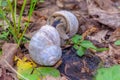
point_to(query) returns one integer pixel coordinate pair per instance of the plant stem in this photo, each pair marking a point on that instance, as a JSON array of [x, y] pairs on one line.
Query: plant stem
[[13, 15], [10, 26], [21, 13], [32, 6], [15, 5]]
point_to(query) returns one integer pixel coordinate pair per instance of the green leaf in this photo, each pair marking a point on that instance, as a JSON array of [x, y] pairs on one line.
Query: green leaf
[[4, 3], [24, 40], [87, 44], [101, 49], [28, 70], [1, 16], [76, 47], [117, 43], [81, 51], [4, 35], [31, 74], [76, 38], [48, 71], [111, 73]]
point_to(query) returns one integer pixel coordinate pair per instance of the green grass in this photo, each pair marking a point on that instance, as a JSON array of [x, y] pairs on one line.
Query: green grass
[[14, 28], [4, 35]]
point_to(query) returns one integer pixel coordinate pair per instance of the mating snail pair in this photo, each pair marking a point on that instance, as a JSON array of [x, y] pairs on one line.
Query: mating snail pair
[[44, 47]]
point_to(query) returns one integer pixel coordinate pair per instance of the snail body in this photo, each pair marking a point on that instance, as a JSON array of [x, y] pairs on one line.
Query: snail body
[[44, 46]]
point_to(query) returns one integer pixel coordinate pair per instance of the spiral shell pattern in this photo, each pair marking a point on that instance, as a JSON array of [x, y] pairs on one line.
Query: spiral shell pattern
[[44, 46], [65, 20]]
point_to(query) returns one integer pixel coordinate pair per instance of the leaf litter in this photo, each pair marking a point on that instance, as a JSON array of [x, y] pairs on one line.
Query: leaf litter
[[104, 15]]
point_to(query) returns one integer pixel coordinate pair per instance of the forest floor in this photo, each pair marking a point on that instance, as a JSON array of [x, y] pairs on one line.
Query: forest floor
[[99, 22]]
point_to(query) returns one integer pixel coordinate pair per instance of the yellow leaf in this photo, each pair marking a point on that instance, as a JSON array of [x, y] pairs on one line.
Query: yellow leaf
[[24, 65], [27, 68]]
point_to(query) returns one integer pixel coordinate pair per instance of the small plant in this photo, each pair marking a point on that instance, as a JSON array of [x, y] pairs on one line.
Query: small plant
[[117, 43], [111, 73], [3, 5], [14, 25], [82, 45], [28, 70], [4, 35]]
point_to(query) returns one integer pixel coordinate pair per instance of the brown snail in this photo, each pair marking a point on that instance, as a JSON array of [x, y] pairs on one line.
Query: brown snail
[[44, 46]]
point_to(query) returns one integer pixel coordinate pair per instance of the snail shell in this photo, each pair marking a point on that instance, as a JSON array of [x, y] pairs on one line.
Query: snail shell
[[65, 22], [44, 47]]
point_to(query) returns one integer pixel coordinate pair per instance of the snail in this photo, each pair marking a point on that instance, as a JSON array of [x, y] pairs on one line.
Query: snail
[[65, 22], [44, 47]]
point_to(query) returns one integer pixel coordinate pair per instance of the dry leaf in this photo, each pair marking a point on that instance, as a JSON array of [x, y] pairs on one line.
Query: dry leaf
[[110, 18], [110, 57], [0, 72], [89, 31], [99, 36], [5, 75], [9, 50], [106, 5], [26, 19], [68, 4], [6, 61], [115, 35]]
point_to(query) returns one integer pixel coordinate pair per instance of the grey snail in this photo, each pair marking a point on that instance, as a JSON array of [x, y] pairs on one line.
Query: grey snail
[[65, 22], [44, 47]]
